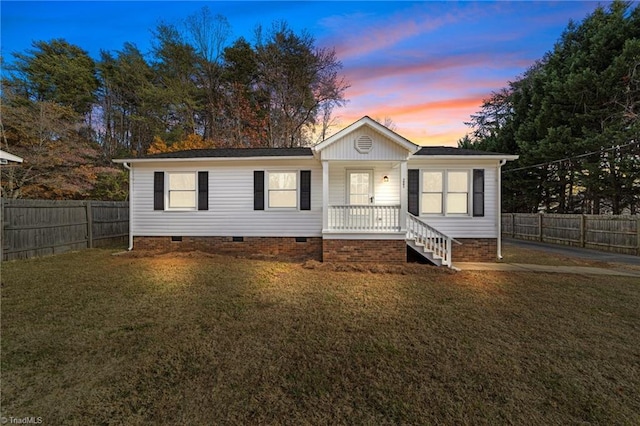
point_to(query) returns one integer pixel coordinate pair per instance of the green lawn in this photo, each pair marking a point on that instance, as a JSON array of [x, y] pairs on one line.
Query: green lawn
[[91, 338]]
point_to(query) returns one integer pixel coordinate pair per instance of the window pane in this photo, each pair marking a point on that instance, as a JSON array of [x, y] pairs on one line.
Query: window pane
[[458, 181], [457, 203], [182, 199], [359, 182], [182, 181], [431, 203], [432, 182], [358, 199], [282, 180], [282, 198]]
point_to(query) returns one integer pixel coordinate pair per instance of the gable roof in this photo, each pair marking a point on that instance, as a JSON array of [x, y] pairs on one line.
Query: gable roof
[[368, 121], [226, 153]]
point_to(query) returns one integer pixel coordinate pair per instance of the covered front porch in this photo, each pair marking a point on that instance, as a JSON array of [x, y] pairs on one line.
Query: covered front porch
[[364, 197]]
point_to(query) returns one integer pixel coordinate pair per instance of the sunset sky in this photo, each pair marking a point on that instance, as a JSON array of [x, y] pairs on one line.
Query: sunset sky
[[425, 65]]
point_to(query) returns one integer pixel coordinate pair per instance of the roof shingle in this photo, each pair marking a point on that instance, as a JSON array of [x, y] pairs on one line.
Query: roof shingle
[[450, 150], [236, 153]]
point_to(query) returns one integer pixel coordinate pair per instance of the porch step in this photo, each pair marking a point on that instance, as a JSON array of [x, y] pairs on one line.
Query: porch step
[[425, 253]]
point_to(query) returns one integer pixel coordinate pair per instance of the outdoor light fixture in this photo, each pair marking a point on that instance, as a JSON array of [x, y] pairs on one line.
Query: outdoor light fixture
[[386, 178]]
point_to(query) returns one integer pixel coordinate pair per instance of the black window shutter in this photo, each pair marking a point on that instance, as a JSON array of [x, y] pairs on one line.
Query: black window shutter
[[158, 190], [414, 191], [258, 190], [478, 192], [203, 190], [305, 190]]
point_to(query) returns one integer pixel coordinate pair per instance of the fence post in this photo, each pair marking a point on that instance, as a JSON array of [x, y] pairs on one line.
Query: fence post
[[583, 230], [513, 225], [89, 225], [1, 227], [540, 227], [638, 234]]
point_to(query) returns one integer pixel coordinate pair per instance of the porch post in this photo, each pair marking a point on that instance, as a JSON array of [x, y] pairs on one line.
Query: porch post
[[404, 204], [325, 196]]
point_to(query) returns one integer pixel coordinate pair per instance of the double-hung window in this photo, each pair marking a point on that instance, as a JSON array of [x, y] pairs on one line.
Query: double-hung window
[[432, 192], [181, 190], [282, 189], [458, 192], [445, 192]]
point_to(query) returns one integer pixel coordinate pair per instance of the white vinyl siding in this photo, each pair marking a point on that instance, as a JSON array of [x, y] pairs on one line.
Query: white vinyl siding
[[382, 148], [181, 190], [464, 225], [230, 199], [384, 193]]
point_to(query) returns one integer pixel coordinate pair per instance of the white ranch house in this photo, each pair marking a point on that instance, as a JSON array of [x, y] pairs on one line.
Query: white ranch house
[[364, 194]]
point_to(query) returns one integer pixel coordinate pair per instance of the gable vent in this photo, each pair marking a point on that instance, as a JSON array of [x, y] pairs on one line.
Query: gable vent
[[364, 144]]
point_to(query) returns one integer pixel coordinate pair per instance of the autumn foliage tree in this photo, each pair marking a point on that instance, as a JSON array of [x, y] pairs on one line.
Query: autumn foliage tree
[[190, 142], [68, 115], [45, 113], [59, 162]]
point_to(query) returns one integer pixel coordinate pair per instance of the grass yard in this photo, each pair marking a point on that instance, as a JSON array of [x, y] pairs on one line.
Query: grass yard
[[91, 338]]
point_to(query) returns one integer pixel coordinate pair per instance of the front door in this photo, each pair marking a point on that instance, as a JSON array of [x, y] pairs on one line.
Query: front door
[[360, 198], [360, 188]]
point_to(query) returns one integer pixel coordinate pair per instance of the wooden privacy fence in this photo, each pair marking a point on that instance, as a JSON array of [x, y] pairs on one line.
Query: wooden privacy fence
[[32, 228], [619, 234]]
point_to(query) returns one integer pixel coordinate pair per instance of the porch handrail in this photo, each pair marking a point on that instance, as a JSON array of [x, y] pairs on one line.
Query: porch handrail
[[433, 240], [364, 218]]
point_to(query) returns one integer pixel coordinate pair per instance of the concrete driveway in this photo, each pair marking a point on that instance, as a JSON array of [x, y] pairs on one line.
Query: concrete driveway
[[564, 251], [582, 253]]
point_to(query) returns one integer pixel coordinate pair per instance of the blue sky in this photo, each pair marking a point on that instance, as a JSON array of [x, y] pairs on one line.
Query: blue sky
[[425, 65]]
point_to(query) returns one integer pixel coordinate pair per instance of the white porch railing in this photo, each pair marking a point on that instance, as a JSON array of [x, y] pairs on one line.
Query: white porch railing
[[430, 239], [370, 218]]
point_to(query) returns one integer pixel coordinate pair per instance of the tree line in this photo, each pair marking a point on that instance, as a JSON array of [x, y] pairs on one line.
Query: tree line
[[68, 114], [573, 118]]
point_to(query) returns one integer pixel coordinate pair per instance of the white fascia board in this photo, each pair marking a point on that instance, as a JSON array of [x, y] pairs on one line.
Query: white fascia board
[[208, 159]]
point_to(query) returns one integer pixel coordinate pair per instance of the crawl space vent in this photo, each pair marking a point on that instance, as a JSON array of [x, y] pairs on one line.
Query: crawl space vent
[[364, 144]]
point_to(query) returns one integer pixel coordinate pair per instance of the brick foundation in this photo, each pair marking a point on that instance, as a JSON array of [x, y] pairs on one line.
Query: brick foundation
[[379, 251], [285, 248], [475, 250]]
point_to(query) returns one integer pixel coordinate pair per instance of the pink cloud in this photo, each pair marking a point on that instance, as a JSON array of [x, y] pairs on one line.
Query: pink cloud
[[439, 122], [366, 34]]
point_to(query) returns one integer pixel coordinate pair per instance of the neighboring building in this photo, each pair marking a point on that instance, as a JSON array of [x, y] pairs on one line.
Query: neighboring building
[[5, 157], [361, 195]]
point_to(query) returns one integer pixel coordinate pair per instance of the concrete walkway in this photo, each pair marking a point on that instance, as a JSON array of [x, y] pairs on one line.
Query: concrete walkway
[[576, 252], [522, 267]]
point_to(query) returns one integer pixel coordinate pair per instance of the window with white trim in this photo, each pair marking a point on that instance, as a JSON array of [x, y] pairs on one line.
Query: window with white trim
[[282, 189], [445, 192], [432, 192], [181, 190]]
